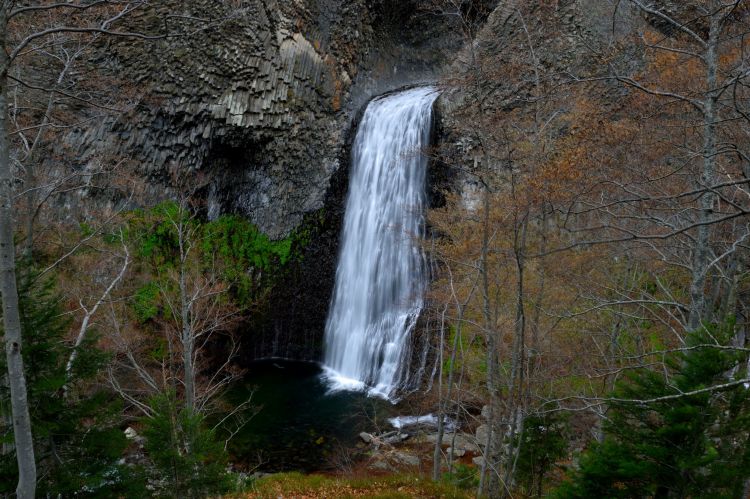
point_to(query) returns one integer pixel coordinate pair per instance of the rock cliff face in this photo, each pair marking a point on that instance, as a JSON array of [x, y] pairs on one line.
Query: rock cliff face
[[260, 102], [520, 46], [258, 106], [254, 110]]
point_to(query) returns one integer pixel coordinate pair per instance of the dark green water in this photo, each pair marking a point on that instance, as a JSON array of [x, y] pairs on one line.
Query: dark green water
[[299, 424]]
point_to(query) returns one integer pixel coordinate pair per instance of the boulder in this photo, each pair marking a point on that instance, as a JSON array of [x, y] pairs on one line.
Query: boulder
[[366, 437], [379, 464], [432, 438], [406, 458], [463, 441], [131, 434], [466, 444], [482, 433], [486, 412], [395, 439], [456, 452]]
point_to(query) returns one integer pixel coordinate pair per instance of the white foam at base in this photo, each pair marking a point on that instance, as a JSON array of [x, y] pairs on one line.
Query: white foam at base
[[337, 382], [400, 422]]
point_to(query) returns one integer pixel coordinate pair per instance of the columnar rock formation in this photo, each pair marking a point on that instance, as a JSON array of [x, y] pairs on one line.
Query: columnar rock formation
[[260, 98]]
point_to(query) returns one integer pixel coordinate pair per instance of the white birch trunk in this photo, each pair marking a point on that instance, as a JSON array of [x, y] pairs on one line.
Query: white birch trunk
[[24, 443]]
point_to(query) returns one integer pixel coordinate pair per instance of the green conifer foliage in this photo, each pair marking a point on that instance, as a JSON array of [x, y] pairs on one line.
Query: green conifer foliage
[[543, 442], [683, 446], [188, 459], [75, 422]]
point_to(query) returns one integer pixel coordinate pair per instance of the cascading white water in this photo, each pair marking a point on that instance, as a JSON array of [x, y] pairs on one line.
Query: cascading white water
[[381, 276]]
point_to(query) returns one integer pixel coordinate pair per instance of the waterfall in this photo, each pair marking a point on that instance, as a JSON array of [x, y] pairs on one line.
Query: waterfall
[[380, 277]]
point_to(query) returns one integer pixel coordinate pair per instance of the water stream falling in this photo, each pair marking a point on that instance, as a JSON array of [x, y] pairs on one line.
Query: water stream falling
[[380, 278]]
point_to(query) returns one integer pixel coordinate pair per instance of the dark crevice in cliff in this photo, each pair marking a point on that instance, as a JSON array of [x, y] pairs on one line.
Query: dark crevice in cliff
[[293, 320]]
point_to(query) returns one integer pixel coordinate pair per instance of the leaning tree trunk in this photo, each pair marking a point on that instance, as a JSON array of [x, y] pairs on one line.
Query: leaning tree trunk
[[9, 290]]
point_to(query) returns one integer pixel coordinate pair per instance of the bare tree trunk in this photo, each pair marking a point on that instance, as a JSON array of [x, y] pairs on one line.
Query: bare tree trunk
[[488, 483], [515, 388], [452, 368], [536, 321], [444, 409], [29, 183], [187, 348], [702, 249], [188, 339], [89, 314], [30, 202], [437, 452], [11, 317]]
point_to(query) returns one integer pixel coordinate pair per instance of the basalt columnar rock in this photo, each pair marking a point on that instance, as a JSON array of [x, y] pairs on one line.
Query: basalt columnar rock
[[256, 101], [249, 105], [259, 96]]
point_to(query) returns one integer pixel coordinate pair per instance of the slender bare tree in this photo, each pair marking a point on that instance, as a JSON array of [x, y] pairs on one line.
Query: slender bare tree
[[26, 28]]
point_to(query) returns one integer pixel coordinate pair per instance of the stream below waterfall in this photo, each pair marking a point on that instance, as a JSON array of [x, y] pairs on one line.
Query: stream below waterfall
[[300, 424]]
